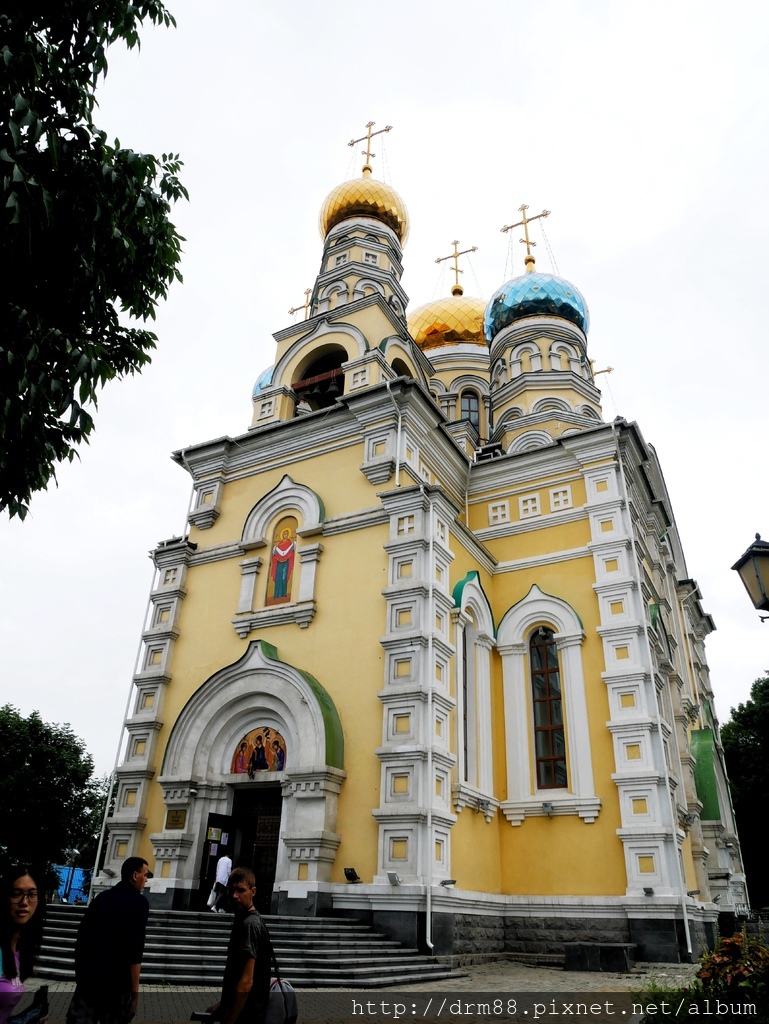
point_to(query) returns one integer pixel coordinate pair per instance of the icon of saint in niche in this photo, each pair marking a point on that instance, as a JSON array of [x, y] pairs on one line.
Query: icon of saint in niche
[[282, 562], [261, 750], [278, 756], [240, 764], [258, 762]]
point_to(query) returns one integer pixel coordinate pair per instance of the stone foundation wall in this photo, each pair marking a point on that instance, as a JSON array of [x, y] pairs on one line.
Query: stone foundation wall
[[478, 934], [548, 934]]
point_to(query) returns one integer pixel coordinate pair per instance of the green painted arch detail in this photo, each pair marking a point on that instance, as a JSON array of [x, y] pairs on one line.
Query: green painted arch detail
[[331, 721], [459, 589]]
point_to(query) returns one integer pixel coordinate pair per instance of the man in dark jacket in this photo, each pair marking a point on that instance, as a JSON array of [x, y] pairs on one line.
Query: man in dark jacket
[[246, 985], [109, 949]]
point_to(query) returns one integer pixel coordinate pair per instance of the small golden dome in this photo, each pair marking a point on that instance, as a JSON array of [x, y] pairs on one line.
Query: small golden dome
[[365, 197], [448, 321]]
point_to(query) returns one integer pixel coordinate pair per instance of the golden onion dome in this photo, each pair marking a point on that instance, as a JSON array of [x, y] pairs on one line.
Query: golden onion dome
[[365, 197], [448, 321]]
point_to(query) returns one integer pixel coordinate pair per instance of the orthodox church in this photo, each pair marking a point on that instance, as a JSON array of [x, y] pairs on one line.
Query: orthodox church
[[429, 654]]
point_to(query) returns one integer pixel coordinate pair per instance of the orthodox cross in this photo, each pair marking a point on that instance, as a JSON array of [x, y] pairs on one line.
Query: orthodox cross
[[525, 225], [457, 289], [368, 137], [305, 307]]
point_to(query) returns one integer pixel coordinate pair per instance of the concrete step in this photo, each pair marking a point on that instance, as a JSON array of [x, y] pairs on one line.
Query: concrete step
[[189, 947]]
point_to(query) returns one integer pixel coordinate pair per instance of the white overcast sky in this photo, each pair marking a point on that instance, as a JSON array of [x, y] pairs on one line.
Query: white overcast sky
[[642, 127]]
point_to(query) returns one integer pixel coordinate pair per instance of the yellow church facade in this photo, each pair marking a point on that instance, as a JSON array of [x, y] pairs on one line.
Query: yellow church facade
[[429, 654]]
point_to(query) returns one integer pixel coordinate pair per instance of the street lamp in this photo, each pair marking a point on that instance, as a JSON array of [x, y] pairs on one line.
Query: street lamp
[[753, 568]]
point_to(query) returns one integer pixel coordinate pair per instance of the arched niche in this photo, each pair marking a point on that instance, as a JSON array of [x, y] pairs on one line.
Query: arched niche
[[564, 356], [525, 357], [551, 404], [286, 496], [474, 640], [287, 499], [530, 440]]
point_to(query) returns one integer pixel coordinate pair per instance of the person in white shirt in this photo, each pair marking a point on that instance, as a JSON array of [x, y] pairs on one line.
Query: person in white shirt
[[223, 869]]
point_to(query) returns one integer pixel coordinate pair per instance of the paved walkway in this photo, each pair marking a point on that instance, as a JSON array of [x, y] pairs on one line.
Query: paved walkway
[[502, 982]]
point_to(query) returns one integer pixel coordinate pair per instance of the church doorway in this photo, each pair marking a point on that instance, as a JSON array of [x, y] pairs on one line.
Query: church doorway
[[256, 833]]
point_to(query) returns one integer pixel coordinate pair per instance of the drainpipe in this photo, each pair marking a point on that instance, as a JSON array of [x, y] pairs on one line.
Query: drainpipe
[[398, 435], [186, 528], [431, 726], [647, 642], [126, 715]]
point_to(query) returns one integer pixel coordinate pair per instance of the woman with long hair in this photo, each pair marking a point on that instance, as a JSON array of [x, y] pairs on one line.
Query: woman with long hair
[[22, 912]]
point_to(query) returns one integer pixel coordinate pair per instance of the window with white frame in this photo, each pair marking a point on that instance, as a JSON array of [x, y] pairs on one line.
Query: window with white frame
[[470, 407], [547, 703], [474, 733], [499, 512], [560, 497], [528, 505], [371, 258], [340, 260], [540, 641]]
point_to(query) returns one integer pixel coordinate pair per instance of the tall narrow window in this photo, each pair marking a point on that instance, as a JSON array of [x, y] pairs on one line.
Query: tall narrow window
[[549, 743], [470, 407], [465, 700]]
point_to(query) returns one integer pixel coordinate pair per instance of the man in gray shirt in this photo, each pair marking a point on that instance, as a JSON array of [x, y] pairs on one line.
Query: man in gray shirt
[[246, 984]]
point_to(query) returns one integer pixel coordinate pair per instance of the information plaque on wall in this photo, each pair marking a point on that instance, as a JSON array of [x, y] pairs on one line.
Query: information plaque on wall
[[176, 817]]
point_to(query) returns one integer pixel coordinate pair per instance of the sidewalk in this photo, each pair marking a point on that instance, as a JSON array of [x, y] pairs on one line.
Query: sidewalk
[[499, 979]]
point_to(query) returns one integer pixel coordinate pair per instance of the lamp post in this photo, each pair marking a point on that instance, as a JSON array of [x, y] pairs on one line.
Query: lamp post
[[753, 568]]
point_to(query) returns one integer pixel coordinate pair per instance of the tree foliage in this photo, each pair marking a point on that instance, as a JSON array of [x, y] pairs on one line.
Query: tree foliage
[[745, 739], [47, 795], [84, 233]]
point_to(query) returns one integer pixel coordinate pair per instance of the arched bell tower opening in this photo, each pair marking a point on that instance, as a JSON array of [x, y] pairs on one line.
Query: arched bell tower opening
[[322, 379]]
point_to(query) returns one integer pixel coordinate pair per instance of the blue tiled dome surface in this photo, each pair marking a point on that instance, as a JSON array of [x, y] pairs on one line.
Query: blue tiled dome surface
[[535, 295], [263, 380]]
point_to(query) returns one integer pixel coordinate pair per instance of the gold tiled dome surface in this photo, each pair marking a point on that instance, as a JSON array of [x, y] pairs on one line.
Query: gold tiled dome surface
[[365, 197], [448, 320]]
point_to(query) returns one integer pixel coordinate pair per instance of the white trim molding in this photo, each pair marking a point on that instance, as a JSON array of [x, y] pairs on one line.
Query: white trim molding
[[524, 799]]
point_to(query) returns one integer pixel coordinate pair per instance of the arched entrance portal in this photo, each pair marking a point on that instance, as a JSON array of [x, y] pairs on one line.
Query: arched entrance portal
[[255, 758]]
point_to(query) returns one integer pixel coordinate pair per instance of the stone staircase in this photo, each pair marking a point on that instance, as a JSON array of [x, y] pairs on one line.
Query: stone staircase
[[188, 948]]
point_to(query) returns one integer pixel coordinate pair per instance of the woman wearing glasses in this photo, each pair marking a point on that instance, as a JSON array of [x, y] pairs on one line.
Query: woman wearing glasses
[[21, 923]]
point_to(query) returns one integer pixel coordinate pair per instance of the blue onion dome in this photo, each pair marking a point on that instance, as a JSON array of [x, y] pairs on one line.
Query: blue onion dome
[[535, 295], [263, 381]]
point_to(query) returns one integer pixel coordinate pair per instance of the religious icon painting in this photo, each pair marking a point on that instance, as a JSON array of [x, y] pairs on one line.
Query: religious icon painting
[[261, 750], [282, 555]]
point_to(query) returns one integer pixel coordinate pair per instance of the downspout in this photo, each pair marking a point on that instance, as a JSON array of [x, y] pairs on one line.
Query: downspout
[[431, 726], [398, 435], [673, 814], [120, 741]]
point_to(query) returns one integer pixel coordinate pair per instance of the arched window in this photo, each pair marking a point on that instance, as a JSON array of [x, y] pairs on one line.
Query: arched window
[[470, 407], [543, 679], [465, 713], [549, 742], [474, 734]]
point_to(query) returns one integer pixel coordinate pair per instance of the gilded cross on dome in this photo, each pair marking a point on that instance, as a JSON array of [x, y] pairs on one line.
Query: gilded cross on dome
[[457, 289], [368, 137], [529, 259], [305, 307]]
